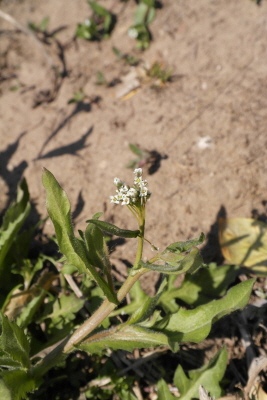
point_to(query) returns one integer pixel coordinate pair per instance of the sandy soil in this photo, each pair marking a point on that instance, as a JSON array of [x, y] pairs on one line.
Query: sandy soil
[[217, 52]]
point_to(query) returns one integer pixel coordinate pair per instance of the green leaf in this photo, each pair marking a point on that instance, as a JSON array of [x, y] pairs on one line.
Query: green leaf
[[138, 298], [29, 310], [58, 207], [211, 282], [114, 230], [13, 221], [180, 247], [96, 246], [150, 15], [128, 338], [16, 384], [140, 14], [189, 263], [147, 306], [44, 24], [7, 362], [64, 310], [194, 325], [14, 342], [136, 150], [164, 392], [98, 9], [208, 376], [5, 393], [126, 395]]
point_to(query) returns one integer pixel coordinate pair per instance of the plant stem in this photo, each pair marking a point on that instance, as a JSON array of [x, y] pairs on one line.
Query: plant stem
[[68, 344]]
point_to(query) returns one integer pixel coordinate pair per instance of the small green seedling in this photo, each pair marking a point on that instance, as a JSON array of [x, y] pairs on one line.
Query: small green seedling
[[127, 58], [77, 96], [100, 78], [143, 16], [99, 26], [145, 158], [42, 27], [158, 72]]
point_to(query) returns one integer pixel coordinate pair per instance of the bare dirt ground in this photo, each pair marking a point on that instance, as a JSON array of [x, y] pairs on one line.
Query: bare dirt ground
[[217, 51]]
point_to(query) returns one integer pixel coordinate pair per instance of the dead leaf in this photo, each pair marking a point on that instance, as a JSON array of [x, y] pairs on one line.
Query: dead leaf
[[244, 242], [20, 298]]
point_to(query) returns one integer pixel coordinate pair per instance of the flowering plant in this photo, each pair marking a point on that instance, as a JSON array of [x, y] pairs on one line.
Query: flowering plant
[[151, 321]]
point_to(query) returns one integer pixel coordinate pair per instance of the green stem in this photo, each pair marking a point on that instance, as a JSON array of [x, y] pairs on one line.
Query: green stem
[[68, 344]]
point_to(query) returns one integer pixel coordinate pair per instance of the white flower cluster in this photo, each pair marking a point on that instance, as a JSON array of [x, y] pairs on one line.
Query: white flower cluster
[[126, 195]]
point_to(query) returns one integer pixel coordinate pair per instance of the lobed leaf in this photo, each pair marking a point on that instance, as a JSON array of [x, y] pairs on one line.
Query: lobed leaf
[[15, 384]]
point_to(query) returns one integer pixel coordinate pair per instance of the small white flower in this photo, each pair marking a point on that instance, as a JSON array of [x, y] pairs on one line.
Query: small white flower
[[133, 33], [124, 189], [138, 180], [138, 171], [125, 200], [132, 192], [120, 196], [113, 199], [117, 182], [143, 191]]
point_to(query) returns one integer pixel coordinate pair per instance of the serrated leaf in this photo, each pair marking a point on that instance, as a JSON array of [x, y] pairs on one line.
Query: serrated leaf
[[14, 342], [9, 363], [208, 376], [164, 392], [128, 338], [114, 230], [180, 247], [194, 325], [189, 263], [18, 383]]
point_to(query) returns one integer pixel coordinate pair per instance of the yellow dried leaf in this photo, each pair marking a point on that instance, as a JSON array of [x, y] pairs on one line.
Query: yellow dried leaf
[[243, 241]]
